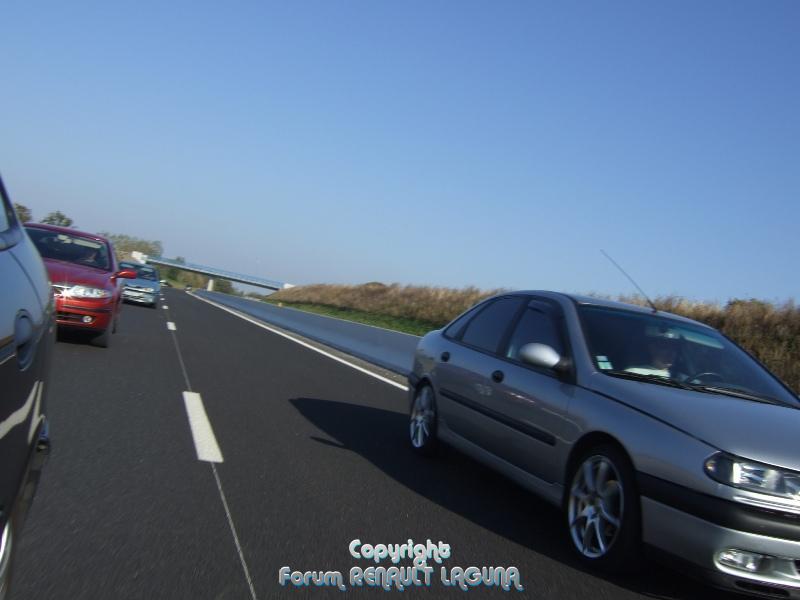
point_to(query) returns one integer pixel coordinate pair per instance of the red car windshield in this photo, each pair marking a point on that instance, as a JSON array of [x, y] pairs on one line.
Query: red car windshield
[[70, 248]]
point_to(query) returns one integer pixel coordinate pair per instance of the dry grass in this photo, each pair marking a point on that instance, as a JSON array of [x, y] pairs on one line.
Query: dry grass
[[768, 331], [433, 305]]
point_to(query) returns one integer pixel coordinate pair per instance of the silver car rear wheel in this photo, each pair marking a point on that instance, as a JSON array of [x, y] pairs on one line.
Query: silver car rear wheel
[[422, 426], [596, 506]]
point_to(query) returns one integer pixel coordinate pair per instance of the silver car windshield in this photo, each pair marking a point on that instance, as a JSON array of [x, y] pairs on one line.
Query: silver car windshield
[[148, 273], [649, 347]]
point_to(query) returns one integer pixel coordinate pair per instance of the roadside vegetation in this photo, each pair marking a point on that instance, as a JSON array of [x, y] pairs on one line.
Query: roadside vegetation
[[769, 331], [402, 324], [434, 306]]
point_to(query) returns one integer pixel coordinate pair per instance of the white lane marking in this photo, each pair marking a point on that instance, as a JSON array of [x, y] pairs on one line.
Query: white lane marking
[[171, 326], [174, 337], [19, 416], [214, 469], [37, 416], [233, 531], [164, 306], [302, 343], [204, 441]]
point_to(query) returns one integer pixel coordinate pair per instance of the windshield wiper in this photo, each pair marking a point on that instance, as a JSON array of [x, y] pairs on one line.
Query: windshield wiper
[[649, 379], [726, 391]]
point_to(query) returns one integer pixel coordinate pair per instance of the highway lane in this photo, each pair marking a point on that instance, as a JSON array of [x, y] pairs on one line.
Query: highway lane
[[124, 509], [314, 456]]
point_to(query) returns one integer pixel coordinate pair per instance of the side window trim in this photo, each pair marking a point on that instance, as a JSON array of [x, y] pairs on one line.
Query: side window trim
[[11, 235], [506, 337]]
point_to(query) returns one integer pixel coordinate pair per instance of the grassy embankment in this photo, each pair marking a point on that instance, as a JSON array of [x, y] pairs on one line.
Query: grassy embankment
[[769, 331], [411, 309]]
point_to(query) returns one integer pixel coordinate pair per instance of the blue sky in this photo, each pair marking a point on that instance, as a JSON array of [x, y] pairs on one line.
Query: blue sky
[[497, 144]]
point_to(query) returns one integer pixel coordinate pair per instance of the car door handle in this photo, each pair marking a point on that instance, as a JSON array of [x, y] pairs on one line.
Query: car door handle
[[498, 376], [445, 356]]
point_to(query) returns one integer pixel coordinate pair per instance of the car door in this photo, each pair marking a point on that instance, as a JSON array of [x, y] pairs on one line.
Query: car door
[[534, 402], [25, 336], [466, 394]]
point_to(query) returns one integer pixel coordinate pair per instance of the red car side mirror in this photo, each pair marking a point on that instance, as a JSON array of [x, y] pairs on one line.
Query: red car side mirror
[[126, 274]]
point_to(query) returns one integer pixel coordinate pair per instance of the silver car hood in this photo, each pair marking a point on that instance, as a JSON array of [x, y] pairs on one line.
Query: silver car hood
[[762, 432]]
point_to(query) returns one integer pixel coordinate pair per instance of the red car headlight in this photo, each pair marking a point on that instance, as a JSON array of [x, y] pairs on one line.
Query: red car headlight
[[80, 291]]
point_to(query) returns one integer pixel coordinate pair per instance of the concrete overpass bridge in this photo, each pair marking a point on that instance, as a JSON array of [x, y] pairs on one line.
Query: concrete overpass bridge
[[212, 272]]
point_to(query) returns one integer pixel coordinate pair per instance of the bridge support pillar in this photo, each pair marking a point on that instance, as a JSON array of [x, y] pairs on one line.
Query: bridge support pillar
[[210, 286]]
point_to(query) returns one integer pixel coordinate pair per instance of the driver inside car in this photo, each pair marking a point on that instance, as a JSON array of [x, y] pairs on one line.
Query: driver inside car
[[89, 256], [663, 353]]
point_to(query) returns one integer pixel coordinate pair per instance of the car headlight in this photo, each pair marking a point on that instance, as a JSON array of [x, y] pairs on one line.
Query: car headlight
[[754, 476], [148, 290], [80, 291]]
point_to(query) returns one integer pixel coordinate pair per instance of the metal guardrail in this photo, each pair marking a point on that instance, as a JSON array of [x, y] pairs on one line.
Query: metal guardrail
[[391, 350], [219, 273]]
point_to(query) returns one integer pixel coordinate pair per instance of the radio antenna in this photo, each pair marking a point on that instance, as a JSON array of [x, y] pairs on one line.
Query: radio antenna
[[621, 270]]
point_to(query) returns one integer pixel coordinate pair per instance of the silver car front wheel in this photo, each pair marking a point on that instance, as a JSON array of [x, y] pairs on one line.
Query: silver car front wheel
[[602, 506], [422, 426], [596, 506]]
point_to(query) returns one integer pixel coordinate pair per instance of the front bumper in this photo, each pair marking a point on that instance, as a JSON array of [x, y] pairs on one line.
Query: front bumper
[[139, 297], [699, 541], [84, 314]]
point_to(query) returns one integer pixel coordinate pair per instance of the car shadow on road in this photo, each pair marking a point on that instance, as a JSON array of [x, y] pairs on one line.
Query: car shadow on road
[[77, 337], [465, 487]]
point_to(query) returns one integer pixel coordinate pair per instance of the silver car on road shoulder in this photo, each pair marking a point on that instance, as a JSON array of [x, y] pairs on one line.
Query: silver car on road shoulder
[[643, 426]]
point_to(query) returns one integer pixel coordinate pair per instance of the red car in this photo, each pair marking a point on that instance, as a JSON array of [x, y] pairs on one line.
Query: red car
[[85, 277]]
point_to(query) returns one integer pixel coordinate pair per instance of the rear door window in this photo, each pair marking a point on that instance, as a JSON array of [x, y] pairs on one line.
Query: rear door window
[[456, 327]]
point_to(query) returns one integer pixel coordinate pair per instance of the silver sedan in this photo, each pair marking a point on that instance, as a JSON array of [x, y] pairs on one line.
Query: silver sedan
[[643, 426]]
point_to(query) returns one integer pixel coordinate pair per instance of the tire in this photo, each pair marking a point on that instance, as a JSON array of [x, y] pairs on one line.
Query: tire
[[423, 422], [8, 561], [103, 340], [603, 523]]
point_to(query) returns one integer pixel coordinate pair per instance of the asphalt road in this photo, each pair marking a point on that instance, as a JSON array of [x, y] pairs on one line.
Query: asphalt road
[[314, 455]]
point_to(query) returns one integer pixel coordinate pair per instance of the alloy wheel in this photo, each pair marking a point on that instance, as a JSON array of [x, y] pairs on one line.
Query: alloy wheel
[[596, 506], [423, 415]]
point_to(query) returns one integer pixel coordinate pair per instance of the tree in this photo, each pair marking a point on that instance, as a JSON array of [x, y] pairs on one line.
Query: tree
[[224, 286], [58, 218], [23, 212], [125, 244], [173, 272]]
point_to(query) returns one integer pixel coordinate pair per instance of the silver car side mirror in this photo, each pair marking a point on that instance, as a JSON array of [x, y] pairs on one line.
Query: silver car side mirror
[[539, 355]]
